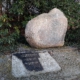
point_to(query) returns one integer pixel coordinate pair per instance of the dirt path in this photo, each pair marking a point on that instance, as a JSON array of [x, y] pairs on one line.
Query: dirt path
[[67, 57]]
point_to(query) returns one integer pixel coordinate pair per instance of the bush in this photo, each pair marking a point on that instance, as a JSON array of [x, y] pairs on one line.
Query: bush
[[29, 9], [21, 11], [73, 35], [8, 34]]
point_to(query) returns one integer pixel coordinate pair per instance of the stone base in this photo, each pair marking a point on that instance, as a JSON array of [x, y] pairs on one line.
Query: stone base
[[48, 63]]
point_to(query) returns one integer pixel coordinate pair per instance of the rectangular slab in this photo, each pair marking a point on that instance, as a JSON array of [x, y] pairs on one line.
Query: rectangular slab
[[24, 65]]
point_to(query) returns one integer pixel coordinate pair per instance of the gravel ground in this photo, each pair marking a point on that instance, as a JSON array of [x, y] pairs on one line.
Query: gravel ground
[[67, 57]]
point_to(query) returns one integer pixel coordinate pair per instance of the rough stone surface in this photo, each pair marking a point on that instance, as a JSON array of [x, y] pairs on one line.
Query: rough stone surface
[[48, 63], [68, 58], [47, 29]]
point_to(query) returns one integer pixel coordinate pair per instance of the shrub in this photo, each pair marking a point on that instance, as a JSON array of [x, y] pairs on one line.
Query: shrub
[[73, 35], [21, 11], [8, 34], [30, 7]]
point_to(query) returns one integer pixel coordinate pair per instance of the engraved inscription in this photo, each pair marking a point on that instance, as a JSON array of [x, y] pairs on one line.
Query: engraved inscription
[[30, 60]]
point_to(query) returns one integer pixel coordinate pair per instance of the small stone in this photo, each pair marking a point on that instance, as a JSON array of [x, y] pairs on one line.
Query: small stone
[[2, 78], [1, 60]]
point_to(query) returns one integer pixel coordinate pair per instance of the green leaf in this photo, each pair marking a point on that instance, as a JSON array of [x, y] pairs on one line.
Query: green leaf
[[8, 24], [1, 24]]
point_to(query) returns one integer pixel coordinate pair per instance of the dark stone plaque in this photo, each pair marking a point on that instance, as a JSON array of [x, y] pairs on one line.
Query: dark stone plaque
[[30, 60]]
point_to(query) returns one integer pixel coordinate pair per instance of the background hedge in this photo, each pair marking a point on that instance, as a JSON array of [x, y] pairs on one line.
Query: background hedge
[[18, 13]]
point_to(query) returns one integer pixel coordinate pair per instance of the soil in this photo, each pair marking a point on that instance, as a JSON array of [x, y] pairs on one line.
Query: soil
[[67, 57]]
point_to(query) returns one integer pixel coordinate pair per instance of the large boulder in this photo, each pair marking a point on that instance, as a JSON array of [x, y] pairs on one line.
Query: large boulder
[[47, 30]]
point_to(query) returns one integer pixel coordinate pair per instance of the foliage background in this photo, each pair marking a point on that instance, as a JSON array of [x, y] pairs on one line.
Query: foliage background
[[18, 13]]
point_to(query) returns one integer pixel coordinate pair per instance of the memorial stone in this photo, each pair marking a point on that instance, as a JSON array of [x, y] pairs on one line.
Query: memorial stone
[[33, 63]]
